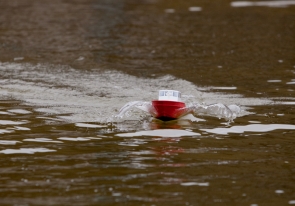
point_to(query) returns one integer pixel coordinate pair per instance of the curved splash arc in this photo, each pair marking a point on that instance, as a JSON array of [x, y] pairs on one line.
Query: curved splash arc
[[218, 110], [142, 105]]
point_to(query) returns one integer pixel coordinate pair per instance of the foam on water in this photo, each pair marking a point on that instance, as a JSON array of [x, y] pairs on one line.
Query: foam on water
[[95, 96]]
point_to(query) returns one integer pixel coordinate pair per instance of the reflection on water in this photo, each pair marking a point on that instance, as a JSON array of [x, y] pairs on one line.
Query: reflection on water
[[67, 67]]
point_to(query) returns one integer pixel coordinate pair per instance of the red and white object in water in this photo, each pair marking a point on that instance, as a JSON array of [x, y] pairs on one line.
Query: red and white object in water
[[169, 105]]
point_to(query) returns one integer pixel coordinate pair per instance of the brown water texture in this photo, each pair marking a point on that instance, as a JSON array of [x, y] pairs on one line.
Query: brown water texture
[[216, 46]]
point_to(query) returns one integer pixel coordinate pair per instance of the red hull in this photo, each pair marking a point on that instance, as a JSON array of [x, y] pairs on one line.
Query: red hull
[[168, 110]]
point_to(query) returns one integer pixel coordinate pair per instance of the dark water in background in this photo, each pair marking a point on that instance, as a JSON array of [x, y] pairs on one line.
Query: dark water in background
[[67, 67]]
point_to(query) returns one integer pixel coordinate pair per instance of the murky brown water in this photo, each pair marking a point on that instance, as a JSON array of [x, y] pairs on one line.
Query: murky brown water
[[67, 67]]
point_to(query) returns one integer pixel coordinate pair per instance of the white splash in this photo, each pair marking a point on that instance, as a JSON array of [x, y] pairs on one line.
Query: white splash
[[126, 110], [216, 110]]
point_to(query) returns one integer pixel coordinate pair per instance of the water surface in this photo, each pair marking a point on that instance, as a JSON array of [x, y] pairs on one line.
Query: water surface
[[67, 67]]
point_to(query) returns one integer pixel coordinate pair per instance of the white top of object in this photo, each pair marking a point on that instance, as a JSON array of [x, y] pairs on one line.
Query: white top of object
[[169, 95]]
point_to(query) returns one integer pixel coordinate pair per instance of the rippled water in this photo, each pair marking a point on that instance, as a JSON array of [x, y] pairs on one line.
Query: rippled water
[[68, 67]]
